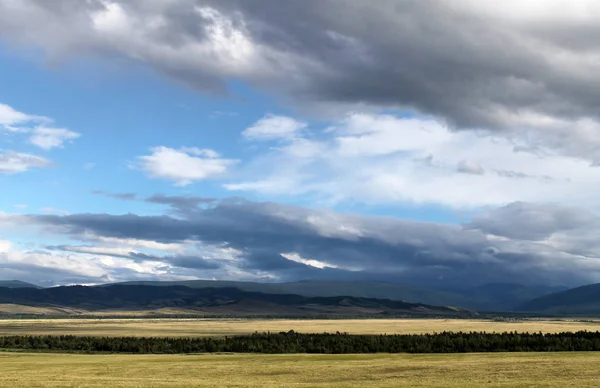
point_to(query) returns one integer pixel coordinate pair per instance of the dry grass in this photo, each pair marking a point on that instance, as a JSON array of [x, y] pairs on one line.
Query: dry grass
[[7, 308], [221, 327], [381, 370]]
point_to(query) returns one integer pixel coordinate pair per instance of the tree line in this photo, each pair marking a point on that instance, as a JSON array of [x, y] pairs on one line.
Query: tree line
[[291, 342]]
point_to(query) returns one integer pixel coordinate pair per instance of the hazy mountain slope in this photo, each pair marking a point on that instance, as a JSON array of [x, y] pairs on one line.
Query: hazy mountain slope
[[211, 300], [505, 296], [580, 300], [16, 284], [375, 290]]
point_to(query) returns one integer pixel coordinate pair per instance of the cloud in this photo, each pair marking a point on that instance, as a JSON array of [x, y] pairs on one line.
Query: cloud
[[472, 64], [52, 210], [12, 162], [180, 204], [11, 119], [184, 166], [48, 138], [182, 261], [470, 167], [250, 240], [36, 127], [122, 196], [385, 158], [273, 128], [531, 221]]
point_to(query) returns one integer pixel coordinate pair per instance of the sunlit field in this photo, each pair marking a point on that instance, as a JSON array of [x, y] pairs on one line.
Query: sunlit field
[[222, 327], [381, 370]]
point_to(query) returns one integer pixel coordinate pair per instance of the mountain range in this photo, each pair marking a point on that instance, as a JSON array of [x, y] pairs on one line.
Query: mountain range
[[488, 297], [494, 297], [222, 301]]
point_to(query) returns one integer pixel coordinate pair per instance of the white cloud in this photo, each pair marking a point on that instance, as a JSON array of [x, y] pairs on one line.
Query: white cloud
[[5, 246], [470, 167], [274, 127], [12, 162], [51, 210], [11, 119], [387, 159], [48, 138], [310, 262], [184, 166], [36, 127]]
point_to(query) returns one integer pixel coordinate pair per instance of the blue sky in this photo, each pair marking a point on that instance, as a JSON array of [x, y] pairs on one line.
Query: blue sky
[[121, 112], [203, 139]]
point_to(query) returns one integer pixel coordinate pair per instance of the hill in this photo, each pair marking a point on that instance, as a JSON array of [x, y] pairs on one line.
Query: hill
[[580, 300], [16, 284], [229, 301]]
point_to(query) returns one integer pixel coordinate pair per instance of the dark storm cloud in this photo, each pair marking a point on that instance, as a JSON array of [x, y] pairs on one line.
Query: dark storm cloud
[[530, 221], [353, 247]]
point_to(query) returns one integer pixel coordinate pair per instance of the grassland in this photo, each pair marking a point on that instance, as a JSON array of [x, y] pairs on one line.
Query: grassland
[[222, 327], [381, 370]]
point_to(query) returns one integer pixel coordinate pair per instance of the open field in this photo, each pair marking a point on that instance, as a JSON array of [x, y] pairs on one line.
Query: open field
[[381, 370], [230, 327]]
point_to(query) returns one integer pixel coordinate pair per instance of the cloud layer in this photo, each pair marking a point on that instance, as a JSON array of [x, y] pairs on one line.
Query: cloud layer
[[239, 239]]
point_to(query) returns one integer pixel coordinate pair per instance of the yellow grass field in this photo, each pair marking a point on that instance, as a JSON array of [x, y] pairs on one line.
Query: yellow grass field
[[380, 370], [222, 327]]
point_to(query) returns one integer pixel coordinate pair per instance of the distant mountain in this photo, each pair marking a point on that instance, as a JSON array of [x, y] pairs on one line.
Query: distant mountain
[[580, 300], [16, 284], [505, 296], [376, 290], [488, 297], [230, 301]]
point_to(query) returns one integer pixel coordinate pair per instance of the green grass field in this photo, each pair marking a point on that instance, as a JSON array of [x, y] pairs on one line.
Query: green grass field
[[222, 327], [381, 370]]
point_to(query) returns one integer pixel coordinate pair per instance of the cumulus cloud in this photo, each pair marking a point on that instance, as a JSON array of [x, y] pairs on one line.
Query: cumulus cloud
[[12, 162], [184, 166]]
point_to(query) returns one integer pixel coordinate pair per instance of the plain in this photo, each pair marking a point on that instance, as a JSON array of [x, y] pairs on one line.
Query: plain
[[164, 327], [380, 370]]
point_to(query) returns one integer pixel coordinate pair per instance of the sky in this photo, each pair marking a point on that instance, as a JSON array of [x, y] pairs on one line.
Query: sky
[[444, 144]]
